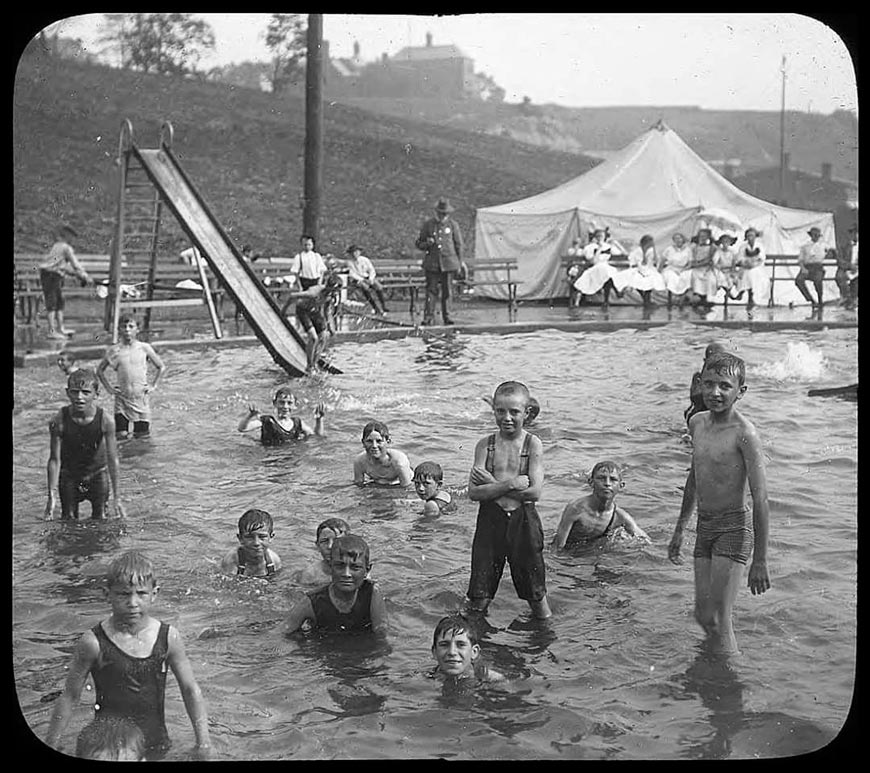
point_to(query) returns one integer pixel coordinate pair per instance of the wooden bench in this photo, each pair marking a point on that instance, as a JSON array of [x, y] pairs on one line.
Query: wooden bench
[[507, 266], [790, 262]]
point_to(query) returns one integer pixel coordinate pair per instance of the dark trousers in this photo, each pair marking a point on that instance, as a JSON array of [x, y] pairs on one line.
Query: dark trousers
[[815, 272], [438, 282]]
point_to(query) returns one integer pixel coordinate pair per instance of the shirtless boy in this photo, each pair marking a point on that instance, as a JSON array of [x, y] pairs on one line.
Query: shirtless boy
[[596, 515], [253, 557], [130, 359], [127, 655], [727, 457], [507, 478], [379, 463], [456, 649], [283, 426], [83, 457]]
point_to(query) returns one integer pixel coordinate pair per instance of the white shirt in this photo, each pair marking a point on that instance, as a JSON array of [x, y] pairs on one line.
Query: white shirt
[[361, 268], [308, 265]]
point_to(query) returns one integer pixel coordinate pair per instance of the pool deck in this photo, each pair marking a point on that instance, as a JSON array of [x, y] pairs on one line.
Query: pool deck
[[90, 341]]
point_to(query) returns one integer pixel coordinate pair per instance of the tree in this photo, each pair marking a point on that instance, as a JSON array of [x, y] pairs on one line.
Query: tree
[[166, 43], [286, 39]]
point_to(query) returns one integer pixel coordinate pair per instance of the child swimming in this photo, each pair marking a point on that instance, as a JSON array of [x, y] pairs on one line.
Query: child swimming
[[457, 652], [378, 463], [253, 557], [597, 514], [283, 427], [428, 478], [320, 572]]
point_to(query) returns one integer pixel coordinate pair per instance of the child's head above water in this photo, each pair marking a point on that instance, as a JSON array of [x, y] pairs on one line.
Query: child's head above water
[[111, 738], [254, 520], [428, 477], [349, 562], [375, 426], [66, 361], [605, 479], [327, 532], [714, 347], [455, 646], [727, 364], [511, 388], [131, 569]]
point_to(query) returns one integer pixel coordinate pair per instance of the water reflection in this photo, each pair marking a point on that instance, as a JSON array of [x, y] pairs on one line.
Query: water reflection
[[443, 351]]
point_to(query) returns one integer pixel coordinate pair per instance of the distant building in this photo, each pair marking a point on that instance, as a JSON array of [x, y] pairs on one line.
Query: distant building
[[429, 71]]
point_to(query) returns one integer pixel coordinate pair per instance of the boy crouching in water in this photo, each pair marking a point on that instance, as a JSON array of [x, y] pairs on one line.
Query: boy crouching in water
[[126, 655], [726, 456], [350, 603], [507, 478], [428, 479], [83, 456], [253, 557]]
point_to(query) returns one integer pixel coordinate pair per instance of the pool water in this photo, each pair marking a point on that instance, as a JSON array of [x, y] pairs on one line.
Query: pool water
[[617, 673]]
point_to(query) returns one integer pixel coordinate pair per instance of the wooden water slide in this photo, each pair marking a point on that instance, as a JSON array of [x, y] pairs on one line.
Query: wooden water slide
[[275, 331]]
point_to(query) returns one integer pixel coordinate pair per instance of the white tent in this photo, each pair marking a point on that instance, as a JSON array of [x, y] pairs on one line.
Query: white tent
[[656, 185]]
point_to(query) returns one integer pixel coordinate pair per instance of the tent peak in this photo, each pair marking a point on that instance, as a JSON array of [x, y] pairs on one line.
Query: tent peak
[[661, 126]]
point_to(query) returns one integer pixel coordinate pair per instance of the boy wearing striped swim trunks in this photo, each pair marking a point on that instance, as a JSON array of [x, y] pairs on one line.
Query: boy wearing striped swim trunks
[[507, 478], [727, 458]]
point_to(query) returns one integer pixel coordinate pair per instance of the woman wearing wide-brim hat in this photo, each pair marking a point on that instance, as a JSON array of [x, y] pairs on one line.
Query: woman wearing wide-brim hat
[[754, 275]]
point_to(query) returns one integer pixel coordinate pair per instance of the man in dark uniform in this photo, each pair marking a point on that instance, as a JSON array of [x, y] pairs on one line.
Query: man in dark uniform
[[441, 240]]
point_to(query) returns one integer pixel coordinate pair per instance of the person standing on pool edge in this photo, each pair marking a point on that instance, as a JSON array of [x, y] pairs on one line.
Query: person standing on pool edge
[[507, 478], [441, 240], [727, 455]]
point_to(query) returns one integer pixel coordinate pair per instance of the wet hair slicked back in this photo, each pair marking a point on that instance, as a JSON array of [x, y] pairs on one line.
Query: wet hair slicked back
[[605, 464], [429, 470], [338, 525], [727, 363], [454, 624], [82, 377], [131, 568], [255, 519], [351, 545], [375, 426]]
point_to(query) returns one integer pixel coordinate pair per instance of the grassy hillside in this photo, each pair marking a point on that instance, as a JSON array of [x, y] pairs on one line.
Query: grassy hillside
[[752, 136], [244, 151]]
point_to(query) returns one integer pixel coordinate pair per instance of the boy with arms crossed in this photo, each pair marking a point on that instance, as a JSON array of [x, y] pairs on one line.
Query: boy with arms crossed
[[726, 456], [126, 655], [507, 478]]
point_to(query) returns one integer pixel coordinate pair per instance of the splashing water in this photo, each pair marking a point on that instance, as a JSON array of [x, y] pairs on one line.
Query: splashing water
[[800, 363]]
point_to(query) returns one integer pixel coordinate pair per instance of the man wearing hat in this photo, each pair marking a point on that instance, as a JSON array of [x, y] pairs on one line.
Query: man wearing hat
[[61, 261], [362, 275], [810, 266], [441, 240], [847, 269]]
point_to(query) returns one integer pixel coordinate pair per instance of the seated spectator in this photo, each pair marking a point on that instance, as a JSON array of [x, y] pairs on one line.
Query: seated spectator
[[362, 276], [577, 265], [599, 275], [725, 269], [675, 268], [641, 274], [754, 277], [847, 270], [704, 280]]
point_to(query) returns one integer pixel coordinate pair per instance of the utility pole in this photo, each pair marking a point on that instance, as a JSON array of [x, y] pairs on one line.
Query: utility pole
[[782, 138], [313, 125]]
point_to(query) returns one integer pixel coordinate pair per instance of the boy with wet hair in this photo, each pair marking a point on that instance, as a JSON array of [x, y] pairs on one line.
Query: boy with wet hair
[[253, 557], [597, 514], [506, 478], [111, 739], [320, 572], [351, 602], [66, 361], [727, 459], [428, 477], [456, 650], [127, 655], [696, 402], [83, 456], [130, 358], [378, 463], [283, 427]]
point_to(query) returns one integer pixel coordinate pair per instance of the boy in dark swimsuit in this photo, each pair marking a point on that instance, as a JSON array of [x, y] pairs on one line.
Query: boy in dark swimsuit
[[596, 515], [253, 557], [428, 478], [350, 603], [83, 460], [282, 427], [126, 655], [507, 478]]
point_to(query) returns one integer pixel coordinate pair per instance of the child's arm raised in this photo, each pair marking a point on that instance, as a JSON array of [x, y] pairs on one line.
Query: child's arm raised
[[177, 659], [251, 420], [753, 458], [84, 657], [113, 464], [378, 611], [300, 612], [319, 414], [53, 468]]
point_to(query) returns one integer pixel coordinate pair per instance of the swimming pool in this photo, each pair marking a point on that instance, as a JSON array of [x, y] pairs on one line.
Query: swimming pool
[[617, 674]]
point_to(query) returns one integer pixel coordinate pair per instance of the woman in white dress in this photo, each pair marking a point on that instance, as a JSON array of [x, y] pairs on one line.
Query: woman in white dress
[[675, 268], [703, 275], [600, 273], [642, 273], [725, 268], [754, 276]]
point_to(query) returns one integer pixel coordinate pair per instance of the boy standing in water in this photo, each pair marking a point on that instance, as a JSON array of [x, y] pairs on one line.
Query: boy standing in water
[[351, 602], [126, 655], [83, 460], [726, 456], [130, 359], [507, 478]]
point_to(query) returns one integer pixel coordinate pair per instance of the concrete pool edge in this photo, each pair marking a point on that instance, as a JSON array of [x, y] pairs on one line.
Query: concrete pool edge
[[47, 356]]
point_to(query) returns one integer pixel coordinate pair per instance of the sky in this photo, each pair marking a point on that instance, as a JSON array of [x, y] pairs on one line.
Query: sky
[[715, 61]]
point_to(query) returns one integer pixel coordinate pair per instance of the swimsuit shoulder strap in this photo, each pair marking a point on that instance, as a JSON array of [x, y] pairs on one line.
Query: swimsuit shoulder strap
[[240, 561], [490, 451], [524, 455]]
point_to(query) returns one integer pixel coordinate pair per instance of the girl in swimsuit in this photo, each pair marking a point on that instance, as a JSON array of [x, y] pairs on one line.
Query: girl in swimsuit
[[596, 514], [283, 426]]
